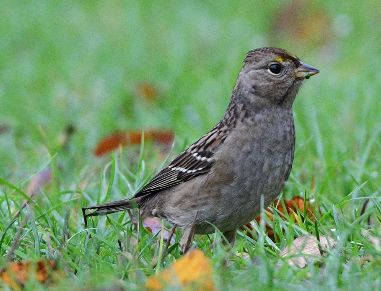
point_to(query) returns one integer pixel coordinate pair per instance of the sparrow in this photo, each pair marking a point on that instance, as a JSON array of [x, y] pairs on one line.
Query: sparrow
[[219, 181]]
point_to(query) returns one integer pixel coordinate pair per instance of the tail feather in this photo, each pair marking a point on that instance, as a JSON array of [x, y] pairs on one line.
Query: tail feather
[[109, 207]]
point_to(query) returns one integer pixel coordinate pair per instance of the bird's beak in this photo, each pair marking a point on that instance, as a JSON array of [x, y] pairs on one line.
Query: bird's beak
[[305, 71]]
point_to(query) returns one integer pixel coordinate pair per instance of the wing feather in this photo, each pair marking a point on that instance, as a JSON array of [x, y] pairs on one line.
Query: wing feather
[[194, 161]]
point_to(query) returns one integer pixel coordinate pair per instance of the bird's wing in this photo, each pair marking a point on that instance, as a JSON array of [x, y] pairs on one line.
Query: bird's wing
[[194, 161]]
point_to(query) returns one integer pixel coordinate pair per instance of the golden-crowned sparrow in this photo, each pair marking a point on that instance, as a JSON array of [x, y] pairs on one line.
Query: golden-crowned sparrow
[[219, 180]]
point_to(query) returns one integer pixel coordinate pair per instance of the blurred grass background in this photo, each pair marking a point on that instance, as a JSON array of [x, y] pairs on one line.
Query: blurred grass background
[[80, 63]]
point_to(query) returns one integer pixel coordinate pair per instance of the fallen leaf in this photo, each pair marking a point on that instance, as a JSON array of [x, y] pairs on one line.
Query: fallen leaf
[[306, 249], [293, 205], [16, 275], [124, 138], [192, 272]]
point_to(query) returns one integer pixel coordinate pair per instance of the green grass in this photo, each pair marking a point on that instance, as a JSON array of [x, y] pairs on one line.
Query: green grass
[[79, 62]]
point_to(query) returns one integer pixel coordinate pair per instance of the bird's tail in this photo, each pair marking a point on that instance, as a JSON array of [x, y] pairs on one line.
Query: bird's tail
[[108, 208]]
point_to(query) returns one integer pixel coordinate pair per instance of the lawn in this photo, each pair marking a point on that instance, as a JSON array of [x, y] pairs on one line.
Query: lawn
[[72, 72]]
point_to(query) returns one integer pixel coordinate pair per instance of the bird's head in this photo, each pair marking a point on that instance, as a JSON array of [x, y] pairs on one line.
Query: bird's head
[[272, 76]]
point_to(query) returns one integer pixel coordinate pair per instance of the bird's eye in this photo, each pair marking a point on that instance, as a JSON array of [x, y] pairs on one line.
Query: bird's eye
[[275, 68]]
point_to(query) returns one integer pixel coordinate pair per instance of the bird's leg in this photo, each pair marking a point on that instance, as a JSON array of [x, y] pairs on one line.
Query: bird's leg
[[188, 235], [168, 241], [230, 237], [186, 239]]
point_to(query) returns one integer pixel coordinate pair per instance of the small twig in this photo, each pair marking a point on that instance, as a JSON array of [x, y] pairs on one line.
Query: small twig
[[165, 249], [18, 236], [25, 203], [364, 206], [169, 240]]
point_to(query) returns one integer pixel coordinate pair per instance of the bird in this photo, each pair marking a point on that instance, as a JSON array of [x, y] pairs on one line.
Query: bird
[[242, 164]]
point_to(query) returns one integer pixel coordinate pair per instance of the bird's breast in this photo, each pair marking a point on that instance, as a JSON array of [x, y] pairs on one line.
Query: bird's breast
[[258, 167]]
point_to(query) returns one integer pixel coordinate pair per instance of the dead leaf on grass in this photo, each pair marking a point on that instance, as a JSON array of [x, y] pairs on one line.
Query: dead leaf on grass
[[293, 207], [124, 138], [306, 249], [192, 272], [16, 275]]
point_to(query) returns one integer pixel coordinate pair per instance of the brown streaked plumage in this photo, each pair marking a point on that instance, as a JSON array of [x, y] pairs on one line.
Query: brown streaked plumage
[[219, 180]]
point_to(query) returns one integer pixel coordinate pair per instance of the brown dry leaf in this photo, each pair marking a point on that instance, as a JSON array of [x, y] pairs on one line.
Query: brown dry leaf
[[307, 248], [292, 206], [147, 91], [124, 138], [192, 272], [16, 275]]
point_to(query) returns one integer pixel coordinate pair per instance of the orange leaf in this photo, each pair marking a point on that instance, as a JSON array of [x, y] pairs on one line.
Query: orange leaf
[[15, 275], [292, 206], [192, 272], [125, 138]]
